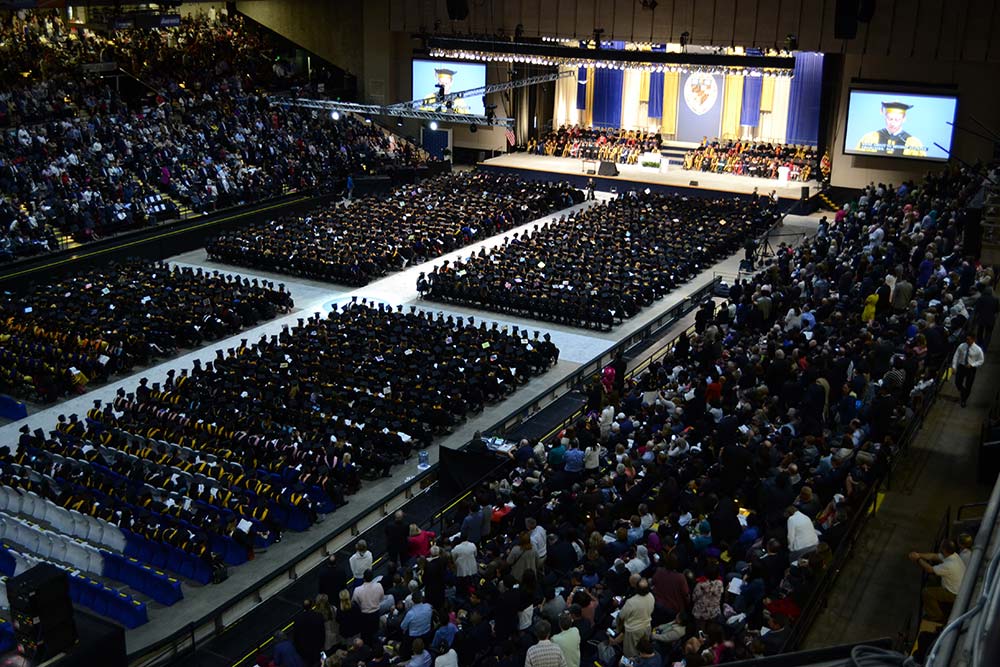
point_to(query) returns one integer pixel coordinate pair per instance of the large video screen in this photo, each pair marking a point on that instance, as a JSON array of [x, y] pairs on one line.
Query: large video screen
[[902, 125], [456, 77]]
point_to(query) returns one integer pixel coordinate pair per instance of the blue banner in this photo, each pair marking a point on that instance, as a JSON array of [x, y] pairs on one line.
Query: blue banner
[[699, 106]]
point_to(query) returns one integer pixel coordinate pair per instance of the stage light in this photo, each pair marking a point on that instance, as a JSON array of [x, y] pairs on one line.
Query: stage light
[[335, 115], [368, 121], [434, 125], [791, 42], [685, 38], [473, 128]]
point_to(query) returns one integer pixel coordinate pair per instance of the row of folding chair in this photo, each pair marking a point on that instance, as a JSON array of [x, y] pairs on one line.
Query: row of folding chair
[[170, 558], [66, 521], [49, 545], [83, 590], [106, 601], [144, 578]]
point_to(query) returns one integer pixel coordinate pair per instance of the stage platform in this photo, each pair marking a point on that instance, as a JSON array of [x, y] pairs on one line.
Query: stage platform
[[674, 177]]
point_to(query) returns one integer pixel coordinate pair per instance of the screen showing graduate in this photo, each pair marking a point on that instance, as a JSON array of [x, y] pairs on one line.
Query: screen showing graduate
[[901, 125], [432, 78]]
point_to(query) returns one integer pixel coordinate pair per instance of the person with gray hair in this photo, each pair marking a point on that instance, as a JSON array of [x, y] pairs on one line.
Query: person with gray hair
[[545, 653]]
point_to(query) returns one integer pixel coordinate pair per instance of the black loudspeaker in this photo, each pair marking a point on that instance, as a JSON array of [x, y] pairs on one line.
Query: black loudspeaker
[[693, 183], [591, 172], [607, 169], [866, 10], [845, 19], [41, 612], [805, 192], [458, 10]]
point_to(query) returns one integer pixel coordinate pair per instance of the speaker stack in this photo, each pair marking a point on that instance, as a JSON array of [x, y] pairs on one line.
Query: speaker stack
[[607, 169], [41, 612]]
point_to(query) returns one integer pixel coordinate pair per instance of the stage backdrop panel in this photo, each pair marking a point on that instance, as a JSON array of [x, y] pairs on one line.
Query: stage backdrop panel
[[699, 106]]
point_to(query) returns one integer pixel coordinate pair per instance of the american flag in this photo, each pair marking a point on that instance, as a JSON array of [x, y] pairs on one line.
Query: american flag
[[511, 139]]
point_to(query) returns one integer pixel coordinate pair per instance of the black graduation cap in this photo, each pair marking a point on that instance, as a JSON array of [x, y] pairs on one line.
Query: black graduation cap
[[897, 106]]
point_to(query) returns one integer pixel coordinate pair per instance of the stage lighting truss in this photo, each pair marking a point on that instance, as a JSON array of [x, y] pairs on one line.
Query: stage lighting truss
[[411, 109], [393, 112]]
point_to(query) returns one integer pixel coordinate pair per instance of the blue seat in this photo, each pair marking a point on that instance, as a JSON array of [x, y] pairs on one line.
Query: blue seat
[[7, 563], [111, 566], [234, 553], [298, 520], [7, 642], [100, 602], [186, 567], [202, 572], [158, 557]]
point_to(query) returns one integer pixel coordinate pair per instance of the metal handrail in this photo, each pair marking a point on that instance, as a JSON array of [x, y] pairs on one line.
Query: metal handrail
[[817, 601]]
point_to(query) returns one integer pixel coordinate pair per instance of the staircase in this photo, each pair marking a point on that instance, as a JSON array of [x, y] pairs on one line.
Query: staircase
[[828, 203]]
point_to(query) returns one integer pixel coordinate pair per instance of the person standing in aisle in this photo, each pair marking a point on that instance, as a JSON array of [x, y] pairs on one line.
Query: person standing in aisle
[[968, 357]]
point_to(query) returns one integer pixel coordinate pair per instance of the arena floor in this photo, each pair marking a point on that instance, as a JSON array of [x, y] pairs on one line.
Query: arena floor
[[577, 346]]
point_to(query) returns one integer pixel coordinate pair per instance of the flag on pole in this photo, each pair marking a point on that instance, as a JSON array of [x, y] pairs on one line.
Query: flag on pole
[[511, 139]]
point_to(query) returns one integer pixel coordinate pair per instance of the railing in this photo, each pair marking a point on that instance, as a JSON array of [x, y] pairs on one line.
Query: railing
[[817, 601], [974, 614]]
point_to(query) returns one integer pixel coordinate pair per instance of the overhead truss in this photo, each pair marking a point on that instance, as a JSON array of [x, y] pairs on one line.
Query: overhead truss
[[418, 108]]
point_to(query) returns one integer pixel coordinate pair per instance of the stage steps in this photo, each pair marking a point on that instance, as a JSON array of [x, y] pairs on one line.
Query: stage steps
[[828, 203]]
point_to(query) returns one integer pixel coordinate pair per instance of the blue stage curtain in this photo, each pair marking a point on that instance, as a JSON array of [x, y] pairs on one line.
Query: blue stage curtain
[[655, 106], [581, 88], [750, 108], [608, 85], [803, 107]]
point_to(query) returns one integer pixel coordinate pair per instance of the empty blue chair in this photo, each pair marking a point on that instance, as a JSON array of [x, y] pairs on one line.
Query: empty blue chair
[[159, 556], [7, 563], [298, 520], [99, 603], [202, 571]]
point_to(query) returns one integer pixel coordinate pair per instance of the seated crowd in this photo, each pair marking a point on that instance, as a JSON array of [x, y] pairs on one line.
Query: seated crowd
[[360, 242], [755, 158], [269, 435], [613, 145], [209, 137], [59, 337], [690, 512], [602, 265]]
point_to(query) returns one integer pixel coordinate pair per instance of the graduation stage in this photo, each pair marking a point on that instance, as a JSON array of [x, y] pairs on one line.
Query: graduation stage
[[217, 610], [671, 176]]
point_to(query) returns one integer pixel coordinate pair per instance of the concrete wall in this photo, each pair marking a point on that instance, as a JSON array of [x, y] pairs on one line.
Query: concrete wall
[[977, 97], [333, 30], [928, 29]]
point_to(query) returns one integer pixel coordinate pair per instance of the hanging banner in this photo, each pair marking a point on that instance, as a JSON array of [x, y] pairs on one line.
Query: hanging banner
[[699, 106]]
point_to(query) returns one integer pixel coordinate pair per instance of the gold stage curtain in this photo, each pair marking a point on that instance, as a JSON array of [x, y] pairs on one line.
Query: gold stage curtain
[[767, 94], [732, 102], [644, 87], [671, 89]]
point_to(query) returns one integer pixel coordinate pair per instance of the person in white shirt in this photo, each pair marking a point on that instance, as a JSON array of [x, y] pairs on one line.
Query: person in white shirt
[[539, 540], [968, 357], [951, 568], [464, 554], [361, 560], [446, 659], [568, 640], [802, 535]]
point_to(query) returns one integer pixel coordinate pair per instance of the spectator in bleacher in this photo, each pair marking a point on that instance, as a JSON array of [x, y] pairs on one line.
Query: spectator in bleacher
[[947, 565]]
